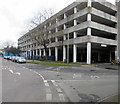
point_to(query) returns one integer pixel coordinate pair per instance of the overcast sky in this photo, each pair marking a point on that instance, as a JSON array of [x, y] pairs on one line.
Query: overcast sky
[[15, 15]]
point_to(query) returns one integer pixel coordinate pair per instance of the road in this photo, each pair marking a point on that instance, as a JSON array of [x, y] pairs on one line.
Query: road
[[43, 83]]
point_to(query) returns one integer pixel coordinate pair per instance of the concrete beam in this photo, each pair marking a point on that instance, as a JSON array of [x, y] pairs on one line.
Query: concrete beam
[[103, 15], [85, 39], [72, 17], [95, 39], [102, 27], [107, 4]]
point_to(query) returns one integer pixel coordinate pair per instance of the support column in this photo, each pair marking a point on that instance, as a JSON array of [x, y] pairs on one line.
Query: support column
[[89, 3], [75, 10], [88, 53], [74, 53], [40, 54], [36, 52], [74, 50], [44, 52], [56, 53], [30, 54], [98, 56], [33, 54], [65, 16], [89, 34], [49, 52], [64, 53], [26, 54], [110, 56]]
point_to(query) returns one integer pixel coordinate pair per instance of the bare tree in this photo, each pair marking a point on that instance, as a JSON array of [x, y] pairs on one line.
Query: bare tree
[[13, 50], [7, 44], [41, 35]]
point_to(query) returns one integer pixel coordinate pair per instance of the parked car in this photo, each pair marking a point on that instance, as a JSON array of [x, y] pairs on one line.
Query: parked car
[[13, 58], [118, 61], [5, 57], [21, 60]]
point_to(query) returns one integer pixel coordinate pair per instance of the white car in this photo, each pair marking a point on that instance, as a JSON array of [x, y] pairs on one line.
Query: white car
[[21, 60], [13, 58], [5, 57]]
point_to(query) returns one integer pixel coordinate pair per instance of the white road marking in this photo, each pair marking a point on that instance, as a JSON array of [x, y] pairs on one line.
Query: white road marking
[[49, 68], [59, 90], [77, 75], [57, 69], [45, 81], [54, 83], [11, 71], [14, 72], [48, 91], [48, 96], [93, 77], [61, 96], [38, 74], [18, 73], [46, 84]]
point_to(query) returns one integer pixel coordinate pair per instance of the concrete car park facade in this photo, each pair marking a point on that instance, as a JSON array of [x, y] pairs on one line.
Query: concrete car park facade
[[92, 30]]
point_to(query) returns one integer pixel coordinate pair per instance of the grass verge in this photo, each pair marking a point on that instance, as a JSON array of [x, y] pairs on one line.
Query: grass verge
[[58, 63]]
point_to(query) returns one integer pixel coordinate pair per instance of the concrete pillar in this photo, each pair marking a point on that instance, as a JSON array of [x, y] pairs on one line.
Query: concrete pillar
[[56, 39], [64, 26], [98, 56], [33, 54], [110, 56], [56, 20], [75, 10], [88, 31], [56, 30], [64, 37], [75, 35], [81, 57], [50, 24], [89, 17], [74, 53], [40, 54], [30, 53], [26, 54], [56, 53], [64, 53], [75, 22], [49, 52], [74, 50], [64, 50], [36, 52], [89, 34], [116, 53], [44, 52], [65, 16], [88, 53], [89, 4]]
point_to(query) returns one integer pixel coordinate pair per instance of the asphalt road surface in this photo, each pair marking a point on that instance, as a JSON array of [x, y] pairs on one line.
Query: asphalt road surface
[[42, 83]]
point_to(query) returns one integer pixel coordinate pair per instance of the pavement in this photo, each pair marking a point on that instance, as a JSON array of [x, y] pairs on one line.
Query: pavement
[[43, 83]]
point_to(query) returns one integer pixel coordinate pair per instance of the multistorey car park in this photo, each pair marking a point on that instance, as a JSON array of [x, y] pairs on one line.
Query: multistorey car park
[[92, 30]]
